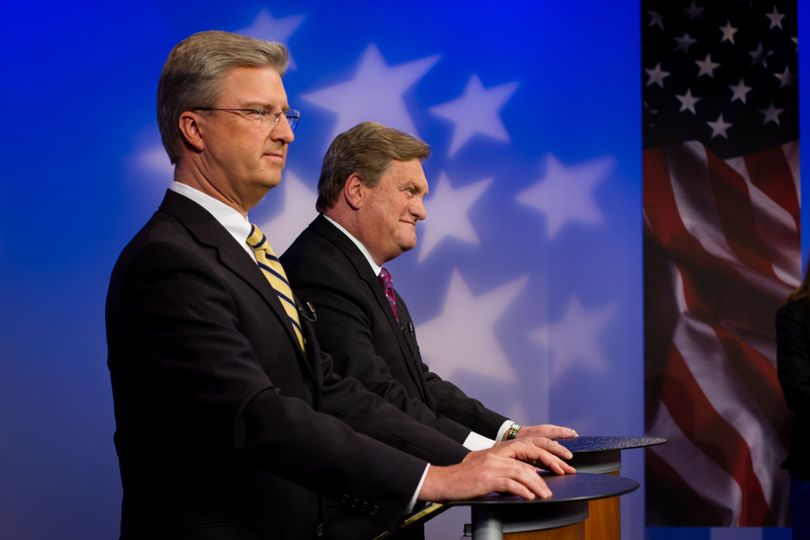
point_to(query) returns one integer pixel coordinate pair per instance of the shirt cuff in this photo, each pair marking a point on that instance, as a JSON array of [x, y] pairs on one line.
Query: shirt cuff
[[504, 428], [418, 489], [474, 442]]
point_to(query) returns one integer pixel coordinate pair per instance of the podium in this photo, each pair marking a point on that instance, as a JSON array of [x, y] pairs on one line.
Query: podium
[[584, 506], [602, 455], [560, 517]]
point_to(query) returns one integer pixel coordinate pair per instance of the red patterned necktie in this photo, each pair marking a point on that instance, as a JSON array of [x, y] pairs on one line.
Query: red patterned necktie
[[388, 287]]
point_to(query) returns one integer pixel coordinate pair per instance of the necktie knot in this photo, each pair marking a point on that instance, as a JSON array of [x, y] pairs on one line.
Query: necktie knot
[[258, 241], [386, 279], [387, 283]]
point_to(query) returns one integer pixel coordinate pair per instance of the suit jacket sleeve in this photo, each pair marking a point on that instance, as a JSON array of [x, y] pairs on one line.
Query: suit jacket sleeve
[[354, 331], [192, 366]]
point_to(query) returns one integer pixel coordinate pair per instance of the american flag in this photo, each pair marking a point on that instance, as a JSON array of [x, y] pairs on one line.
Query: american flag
[[722, 252]]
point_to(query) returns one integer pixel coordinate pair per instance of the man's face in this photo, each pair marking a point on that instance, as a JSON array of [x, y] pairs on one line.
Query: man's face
[[244, 155], [391, 209]]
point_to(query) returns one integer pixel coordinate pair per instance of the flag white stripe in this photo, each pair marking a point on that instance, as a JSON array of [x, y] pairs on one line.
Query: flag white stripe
[[700, 472], [696, 341]]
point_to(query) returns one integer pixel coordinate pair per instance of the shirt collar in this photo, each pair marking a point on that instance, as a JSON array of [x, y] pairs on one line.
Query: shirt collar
[[236, 224]]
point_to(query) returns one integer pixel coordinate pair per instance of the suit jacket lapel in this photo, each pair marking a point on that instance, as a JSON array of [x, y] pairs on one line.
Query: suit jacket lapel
[[208, 231], [361, 266]]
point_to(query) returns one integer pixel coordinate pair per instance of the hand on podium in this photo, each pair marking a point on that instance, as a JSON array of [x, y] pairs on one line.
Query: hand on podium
[[502, 468]]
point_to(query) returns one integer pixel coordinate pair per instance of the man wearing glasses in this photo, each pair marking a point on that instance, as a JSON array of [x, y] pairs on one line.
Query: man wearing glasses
[[230, 423]]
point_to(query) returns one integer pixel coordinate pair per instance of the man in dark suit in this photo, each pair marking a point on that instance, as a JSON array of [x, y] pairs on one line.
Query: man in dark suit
[[230, 422], [370, 197]]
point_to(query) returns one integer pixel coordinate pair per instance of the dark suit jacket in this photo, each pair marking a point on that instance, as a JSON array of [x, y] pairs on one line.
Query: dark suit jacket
[[357, 327], [224, 428], [793, 368]]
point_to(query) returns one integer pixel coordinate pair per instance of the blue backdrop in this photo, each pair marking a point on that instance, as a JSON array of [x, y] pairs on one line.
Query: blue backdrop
[[530, 256]]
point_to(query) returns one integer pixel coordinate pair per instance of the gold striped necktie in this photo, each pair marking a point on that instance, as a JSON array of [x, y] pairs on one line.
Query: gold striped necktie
[[274, 272]]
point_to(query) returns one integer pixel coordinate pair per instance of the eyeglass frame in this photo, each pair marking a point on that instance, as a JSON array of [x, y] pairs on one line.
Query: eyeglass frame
[[293, 116]]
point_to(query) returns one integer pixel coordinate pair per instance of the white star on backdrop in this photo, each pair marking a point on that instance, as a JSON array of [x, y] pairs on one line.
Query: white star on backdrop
[[156, 160], [688, 101], [760, 56], [775, 18], [448, 214], [476, 111], [462, 336], [740, 91], [656, 75], [655, 19], [694, 11], [574, 339], [706, 66], [565, 193], [375, 93], [785, 78], [264, 26], [719, 127], [728, 32], [771, 114], [684, 42], [298, 211]]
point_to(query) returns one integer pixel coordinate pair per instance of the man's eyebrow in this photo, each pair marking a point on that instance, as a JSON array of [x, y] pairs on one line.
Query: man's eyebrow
[[265, 106]]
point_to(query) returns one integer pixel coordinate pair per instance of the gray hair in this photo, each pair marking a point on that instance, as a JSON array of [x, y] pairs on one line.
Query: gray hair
[[366, 149], [193, 73]]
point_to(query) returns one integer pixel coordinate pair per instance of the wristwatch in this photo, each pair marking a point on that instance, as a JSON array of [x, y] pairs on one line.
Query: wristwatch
[[513, 431]]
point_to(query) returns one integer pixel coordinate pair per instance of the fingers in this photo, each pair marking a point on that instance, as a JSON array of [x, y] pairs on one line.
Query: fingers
[[529, 485], [484, 472], [560, 432], [550, 431], [540, 450]]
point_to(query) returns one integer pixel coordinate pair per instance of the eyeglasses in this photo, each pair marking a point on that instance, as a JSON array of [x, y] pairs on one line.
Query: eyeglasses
[[266, 119]]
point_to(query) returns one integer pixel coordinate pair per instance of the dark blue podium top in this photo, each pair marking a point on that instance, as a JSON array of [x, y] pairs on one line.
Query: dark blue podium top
[[566, 488], [587, 444]]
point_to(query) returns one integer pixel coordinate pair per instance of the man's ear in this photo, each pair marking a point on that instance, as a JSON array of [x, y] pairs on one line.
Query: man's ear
[[354, 191], [191, 128]]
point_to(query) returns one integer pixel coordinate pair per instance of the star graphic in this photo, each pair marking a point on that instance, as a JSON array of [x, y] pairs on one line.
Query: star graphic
[[476, 111], [706, 66], [740, 91], [462, 336], [719, 127], [795, 41], [694, 11], [771, 114], [155, 159], [655, 19], [684, 42], [760, 56], [375, 93], [688, 101], [448, 214], [657, 75], [565, 194], [298, 211], [574, 339], [776, 19], [264, 26], [785, 78], [728, 32]]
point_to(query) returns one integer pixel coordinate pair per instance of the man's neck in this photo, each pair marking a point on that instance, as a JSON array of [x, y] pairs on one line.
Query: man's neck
[[190, 175]]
